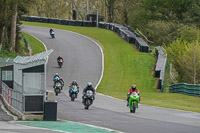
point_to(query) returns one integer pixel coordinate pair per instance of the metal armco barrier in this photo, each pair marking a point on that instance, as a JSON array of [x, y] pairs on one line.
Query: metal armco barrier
[[187, 89], [160, 66]]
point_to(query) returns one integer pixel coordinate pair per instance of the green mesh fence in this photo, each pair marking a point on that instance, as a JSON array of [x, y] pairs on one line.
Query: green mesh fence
[[187, 89]]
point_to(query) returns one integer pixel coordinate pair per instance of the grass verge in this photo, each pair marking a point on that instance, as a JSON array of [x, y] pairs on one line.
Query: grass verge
[[35, 44], [124, 66]]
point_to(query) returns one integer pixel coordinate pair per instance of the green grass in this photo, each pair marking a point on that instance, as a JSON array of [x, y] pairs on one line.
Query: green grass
[[124, 66], [6, 54], [35, 44]]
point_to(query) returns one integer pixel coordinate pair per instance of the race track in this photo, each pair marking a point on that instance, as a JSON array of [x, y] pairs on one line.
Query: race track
[[83, 62]]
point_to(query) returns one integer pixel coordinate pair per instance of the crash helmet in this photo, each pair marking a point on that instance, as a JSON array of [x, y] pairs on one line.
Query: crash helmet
[[56, 74], [89, 84], [59, 56], [60, 77], [74, 82], [133, 87]]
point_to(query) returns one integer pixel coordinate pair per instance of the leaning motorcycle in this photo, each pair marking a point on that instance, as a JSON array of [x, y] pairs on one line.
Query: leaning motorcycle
[[60, 63], [57, 87], [133, 102], [88, 99], [73, 92], [52, 34]]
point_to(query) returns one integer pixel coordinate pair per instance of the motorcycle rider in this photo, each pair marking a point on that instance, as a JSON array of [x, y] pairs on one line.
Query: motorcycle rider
[[51, 31], [56, 77], [131, 90], [88, 87], [62, 82], [59, 58], [73, 83]]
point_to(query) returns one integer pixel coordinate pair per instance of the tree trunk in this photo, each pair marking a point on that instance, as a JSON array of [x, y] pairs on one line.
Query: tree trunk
[[1, 37], [13, 26], [110, 8]]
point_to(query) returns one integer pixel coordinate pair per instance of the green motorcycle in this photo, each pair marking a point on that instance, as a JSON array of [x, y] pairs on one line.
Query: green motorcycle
[[133, 102]]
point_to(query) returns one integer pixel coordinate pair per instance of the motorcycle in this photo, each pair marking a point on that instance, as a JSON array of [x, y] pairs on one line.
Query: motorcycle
[[88, 98], [60, 63], [57, 87], [133, 102], [57, 79], [52, 34], [73, 92]]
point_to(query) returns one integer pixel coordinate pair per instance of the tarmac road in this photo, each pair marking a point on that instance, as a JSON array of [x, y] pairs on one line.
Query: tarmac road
[[83, 62]]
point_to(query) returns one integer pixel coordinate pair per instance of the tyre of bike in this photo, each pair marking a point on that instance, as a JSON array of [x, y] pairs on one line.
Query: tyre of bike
[[87, 103], [73, 96]]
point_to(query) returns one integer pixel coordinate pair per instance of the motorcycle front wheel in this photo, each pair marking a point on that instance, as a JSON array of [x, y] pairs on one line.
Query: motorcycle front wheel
[[134, 107], [73, 97], [87, 103]]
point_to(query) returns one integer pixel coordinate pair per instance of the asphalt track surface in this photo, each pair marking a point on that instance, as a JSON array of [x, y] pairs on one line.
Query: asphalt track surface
[[83, 62]]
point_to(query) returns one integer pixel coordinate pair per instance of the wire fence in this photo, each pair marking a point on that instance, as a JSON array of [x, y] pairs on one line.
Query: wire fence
[[6, 61], [187, 89]]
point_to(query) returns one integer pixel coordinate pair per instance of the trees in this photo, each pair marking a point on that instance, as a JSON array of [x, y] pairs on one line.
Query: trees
[[190, 63], [14, 14], [5, 13], [185, 58], [10, 11]]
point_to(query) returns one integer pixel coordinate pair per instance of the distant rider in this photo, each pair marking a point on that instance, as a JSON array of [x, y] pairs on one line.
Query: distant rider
[[131, 90], [56, 77], [59, 58], [74, 83], [88, 87], [62, 81], [51, 31]]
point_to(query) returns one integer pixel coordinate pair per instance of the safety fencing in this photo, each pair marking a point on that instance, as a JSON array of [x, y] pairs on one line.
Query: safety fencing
[[13, 97], [126, 33], [187, 89], [26, 103], [160, 66], [26, 41]]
